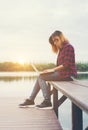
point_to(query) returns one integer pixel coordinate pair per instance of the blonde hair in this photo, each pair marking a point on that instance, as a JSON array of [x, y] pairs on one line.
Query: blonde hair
[[62, 38]]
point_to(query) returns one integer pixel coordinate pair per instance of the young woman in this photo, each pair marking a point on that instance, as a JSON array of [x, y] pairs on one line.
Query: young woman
[[63, 71]]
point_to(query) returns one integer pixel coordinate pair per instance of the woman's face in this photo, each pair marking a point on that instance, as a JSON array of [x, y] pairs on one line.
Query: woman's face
[[57, 42]]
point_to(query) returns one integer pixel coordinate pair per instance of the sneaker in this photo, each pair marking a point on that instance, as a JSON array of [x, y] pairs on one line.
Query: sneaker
[[45, 103], [27, 103]]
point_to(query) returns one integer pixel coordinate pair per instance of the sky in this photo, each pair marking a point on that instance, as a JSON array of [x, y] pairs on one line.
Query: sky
[[25, 27]]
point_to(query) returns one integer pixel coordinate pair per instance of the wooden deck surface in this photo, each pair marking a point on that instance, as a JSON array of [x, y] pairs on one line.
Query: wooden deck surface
[[76, 91], [14, 118]]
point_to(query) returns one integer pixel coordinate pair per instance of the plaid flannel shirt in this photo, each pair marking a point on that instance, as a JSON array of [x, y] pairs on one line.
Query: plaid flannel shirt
[[66, 57]]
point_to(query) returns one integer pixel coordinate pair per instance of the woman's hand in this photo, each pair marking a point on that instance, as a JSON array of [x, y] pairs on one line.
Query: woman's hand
[[47, 71]]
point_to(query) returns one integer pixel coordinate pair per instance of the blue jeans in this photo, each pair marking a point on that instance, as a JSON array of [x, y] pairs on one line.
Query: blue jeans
[[41, 84]]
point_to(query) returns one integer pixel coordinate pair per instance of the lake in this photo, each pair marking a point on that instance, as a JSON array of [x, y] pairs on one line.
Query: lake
[[20, 84]]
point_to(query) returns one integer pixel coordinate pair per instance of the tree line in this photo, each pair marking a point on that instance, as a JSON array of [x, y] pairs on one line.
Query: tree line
[[17, 67]]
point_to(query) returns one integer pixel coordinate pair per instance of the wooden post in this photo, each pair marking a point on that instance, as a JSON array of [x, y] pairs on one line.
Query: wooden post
[[55, 100], [77, 119]]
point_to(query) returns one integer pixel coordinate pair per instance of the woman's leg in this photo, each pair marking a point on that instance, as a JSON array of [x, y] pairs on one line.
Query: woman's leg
[[41, 84], [35, 90]]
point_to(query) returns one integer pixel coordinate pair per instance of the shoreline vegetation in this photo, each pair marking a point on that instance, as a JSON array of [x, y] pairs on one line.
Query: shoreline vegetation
[[27, 67]]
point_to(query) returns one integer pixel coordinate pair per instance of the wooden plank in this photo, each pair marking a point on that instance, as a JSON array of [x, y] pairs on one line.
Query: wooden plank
[[80, 83], [14, 118], [61, 100], [76, 93], [55, 101]]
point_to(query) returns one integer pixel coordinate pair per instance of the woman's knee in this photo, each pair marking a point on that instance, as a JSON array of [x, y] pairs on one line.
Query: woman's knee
[[42, 76]]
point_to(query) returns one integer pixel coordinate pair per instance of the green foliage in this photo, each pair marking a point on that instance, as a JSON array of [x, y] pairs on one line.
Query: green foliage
[[82, 67], [10, 66]]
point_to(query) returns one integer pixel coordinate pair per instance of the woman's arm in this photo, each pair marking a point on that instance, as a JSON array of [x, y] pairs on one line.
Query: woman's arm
[[58, 68]]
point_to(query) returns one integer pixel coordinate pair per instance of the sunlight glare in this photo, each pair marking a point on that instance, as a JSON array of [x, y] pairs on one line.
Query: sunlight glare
[[21, 61]]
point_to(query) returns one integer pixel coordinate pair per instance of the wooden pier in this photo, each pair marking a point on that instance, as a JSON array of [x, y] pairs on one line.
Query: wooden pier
[[14, 118], [77, 92]]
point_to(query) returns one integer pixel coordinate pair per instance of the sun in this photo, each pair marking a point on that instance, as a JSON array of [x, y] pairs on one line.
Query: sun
[[21, 61]]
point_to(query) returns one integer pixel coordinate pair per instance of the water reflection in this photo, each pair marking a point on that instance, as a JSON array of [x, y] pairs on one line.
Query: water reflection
[[82, 76], [16, 78]]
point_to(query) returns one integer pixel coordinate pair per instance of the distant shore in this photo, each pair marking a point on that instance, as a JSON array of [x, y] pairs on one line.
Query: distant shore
[[17, 67]]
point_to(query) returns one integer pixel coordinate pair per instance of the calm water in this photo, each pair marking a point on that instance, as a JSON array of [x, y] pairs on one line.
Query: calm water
[[20, 84]]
